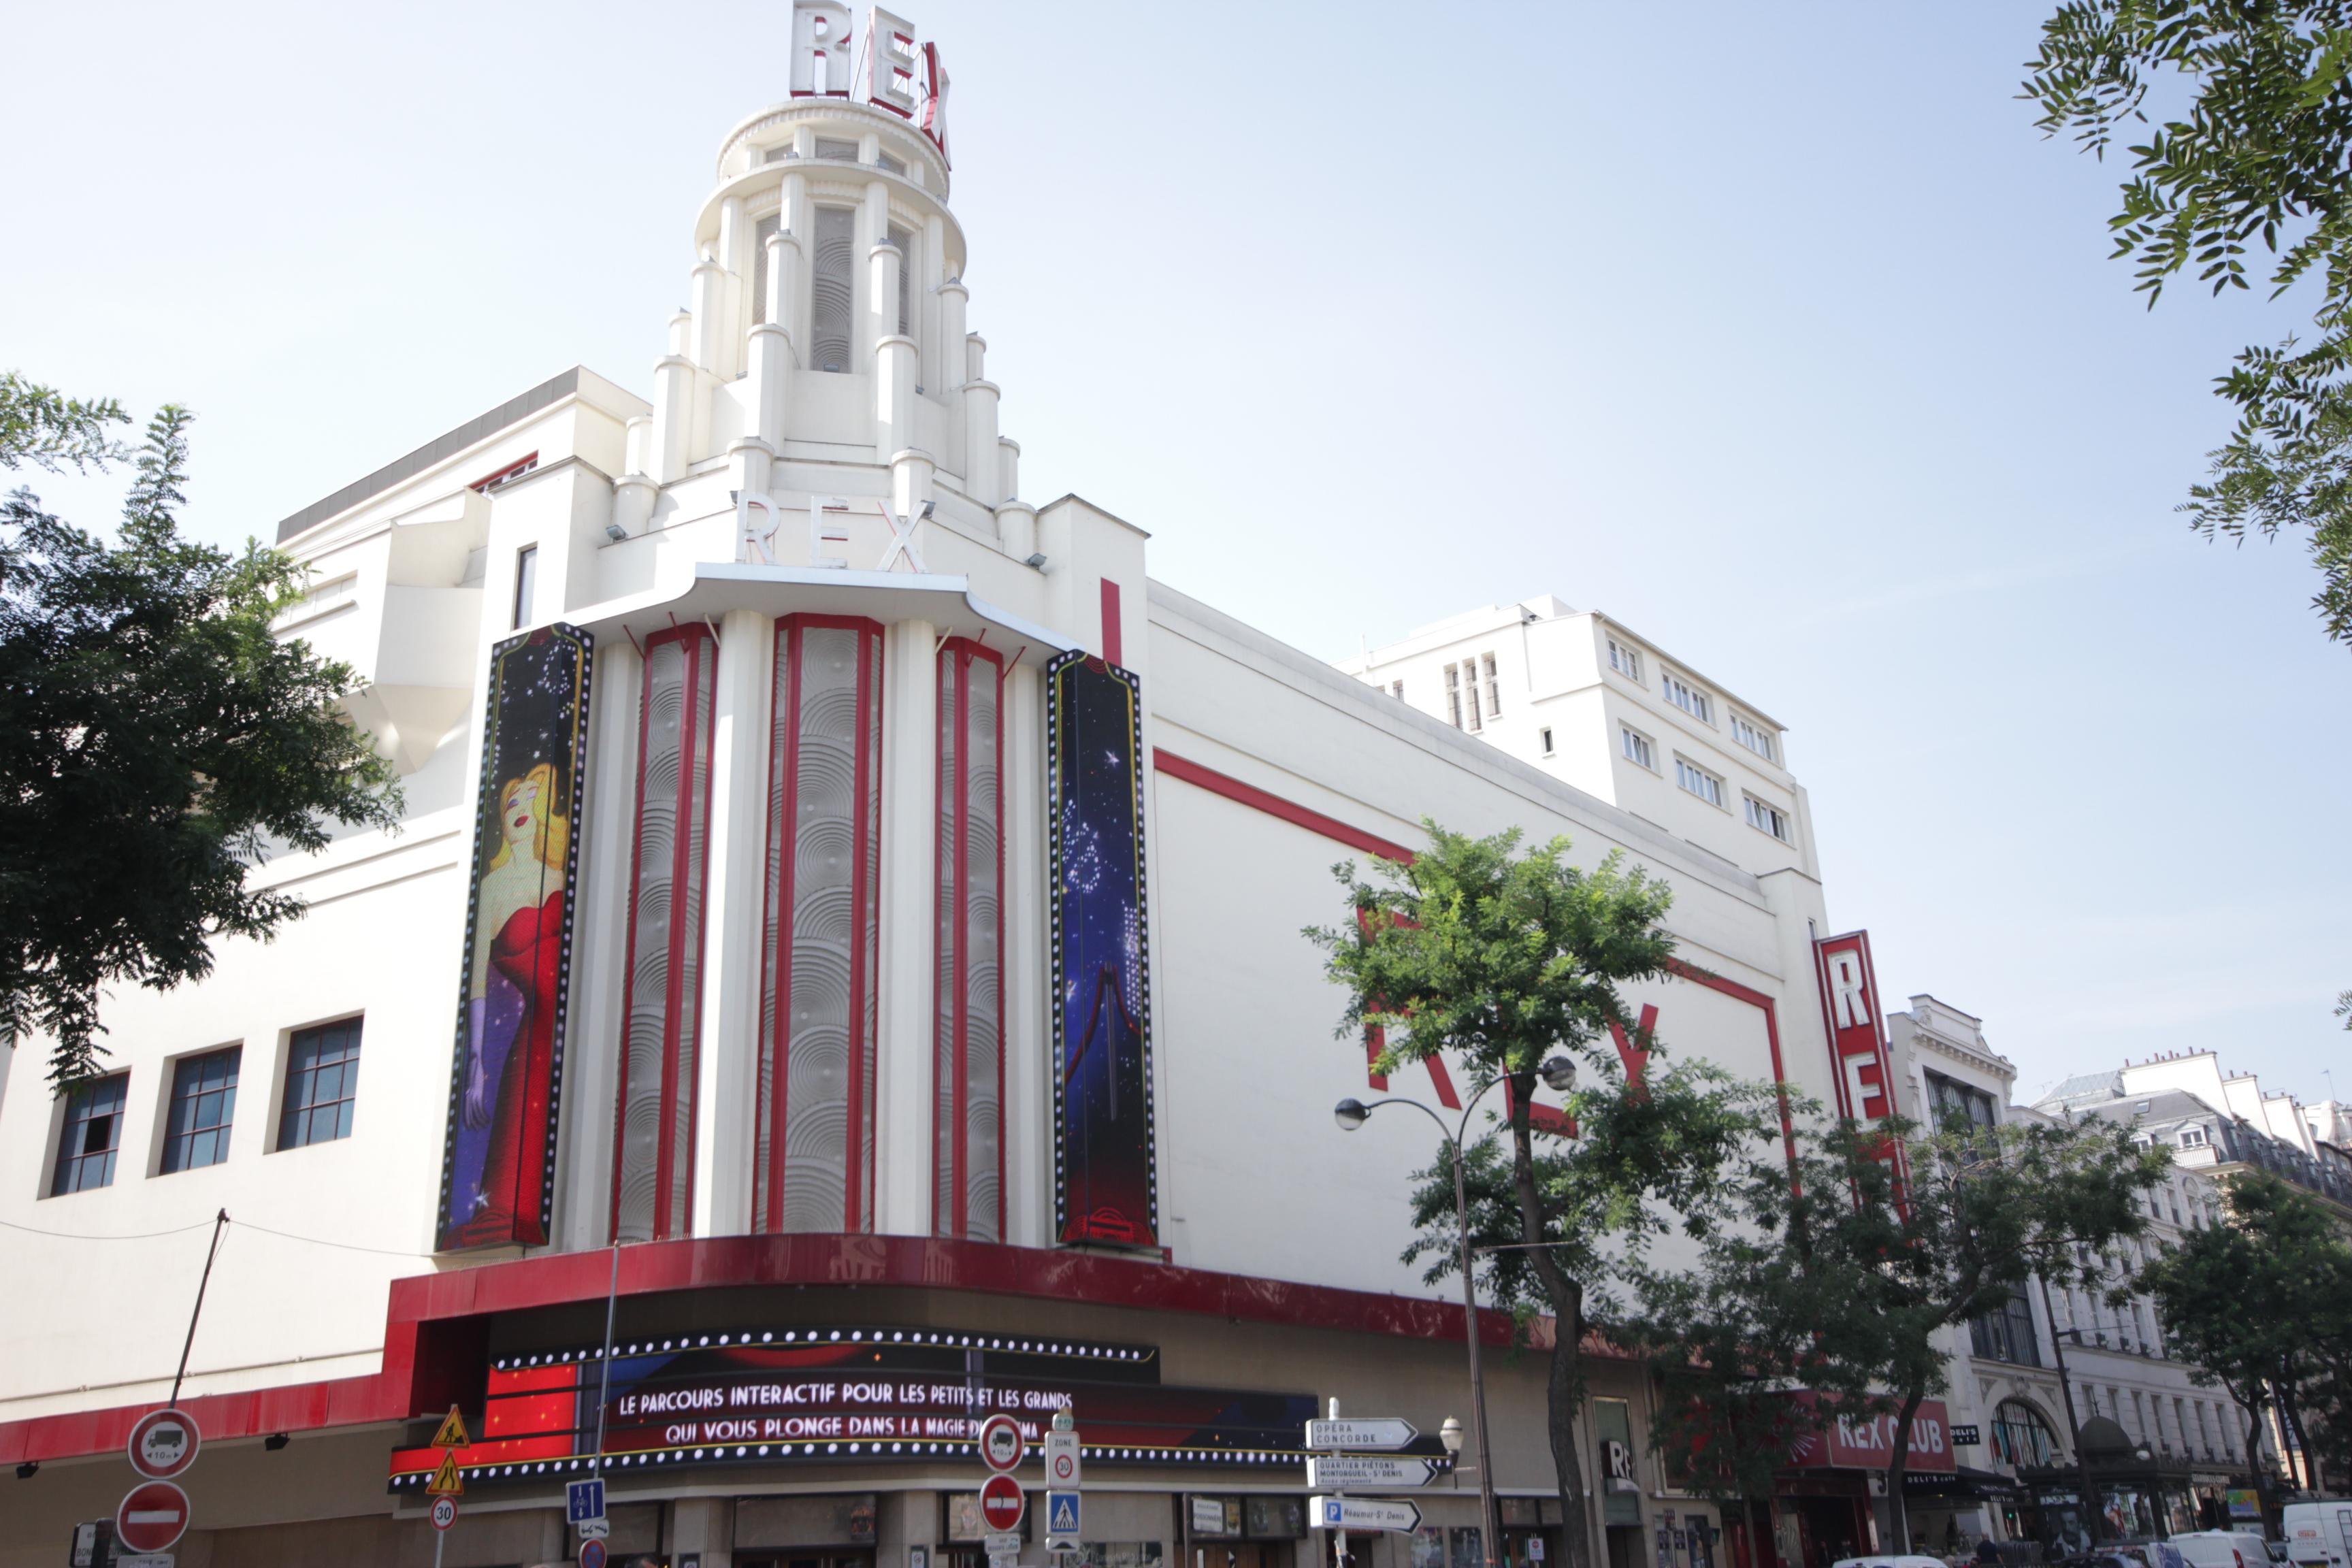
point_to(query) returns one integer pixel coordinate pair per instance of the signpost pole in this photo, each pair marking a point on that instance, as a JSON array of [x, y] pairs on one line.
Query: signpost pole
[[211, 1252], [604, 1394]]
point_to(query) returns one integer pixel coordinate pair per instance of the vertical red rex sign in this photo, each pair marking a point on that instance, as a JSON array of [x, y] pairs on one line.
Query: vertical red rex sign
[[1862, 1071]]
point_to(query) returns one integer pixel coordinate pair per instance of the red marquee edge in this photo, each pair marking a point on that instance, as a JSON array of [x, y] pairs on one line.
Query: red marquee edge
[[436, 1328]]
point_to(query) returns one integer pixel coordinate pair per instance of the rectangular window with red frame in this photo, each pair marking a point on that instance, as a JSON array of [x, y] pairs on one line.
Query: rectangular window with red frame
[[813, 1157], [653, 1164], [968, 1111]]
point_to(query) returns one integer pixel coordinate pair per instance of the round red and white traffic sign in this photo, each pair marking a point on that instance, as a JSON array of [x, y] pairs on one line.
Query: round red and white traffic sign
[[1002, 1503], [164, 1443], [591, 1554], [444, 1512], [153, 1516], [1001, 1444]]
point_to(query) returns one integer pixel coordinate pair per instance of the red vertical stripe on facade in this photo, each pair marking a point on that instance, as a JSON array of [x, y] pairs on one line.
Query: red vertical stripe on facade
[[693, 808], [1113, 642]]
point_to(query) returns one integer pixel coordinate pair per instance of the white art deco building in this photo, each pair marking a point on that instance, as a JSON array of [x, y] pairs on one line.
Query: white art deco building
[[868, 900]]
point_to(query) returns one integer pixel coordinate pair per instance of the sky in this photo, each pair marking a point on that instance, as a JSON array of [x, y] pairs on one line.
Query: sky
[[1775, 332]]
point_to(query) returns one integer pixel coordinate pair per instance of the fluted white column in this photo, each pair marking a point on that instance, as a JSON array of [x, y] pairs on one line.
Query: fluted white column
[[734, 256], [894, 357], [728, 1072], [794, 217], [635, 492], [673, 403], [980, 478], [947, 376], [772, 354], [902, 1200]]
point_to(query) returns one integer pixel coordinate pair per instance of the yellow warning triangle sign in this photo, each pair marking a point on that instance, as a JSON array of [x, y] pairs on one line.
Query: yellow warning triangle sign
[[453, 1431], [447, 1481]]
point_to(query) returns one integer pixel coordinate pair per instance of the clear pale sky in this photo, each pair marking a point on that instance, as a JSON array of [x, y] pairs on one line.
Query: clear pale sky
[[1773, 331]]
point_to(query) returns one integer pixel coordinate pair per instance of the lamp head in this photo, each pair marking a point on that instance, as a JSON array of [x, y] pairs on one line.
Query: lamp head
[[1559, 1073], [1451, 1435], [1351, 1114]]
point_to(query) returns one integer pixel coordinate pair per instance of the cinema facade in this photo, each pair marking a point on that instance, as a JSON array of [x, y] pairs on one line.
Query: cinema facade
[[846, 923]]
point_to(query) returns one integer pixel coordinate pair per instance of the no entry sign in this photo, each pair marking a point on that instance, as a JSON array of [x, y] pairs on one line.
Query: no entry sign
[[1002, 1503], [164, 1443], [153, 1517]]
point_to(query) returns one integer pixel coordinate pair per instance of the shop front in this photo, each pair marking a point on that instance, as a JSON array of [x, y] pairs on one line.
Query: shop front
[[2134, 1493], [1952, 1511], [1824, 1502]]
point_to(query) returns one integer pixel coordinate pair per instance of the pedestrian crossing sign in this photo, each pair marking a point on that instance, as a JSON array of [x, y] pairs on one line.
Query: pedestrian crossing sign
[[1062, 1520]]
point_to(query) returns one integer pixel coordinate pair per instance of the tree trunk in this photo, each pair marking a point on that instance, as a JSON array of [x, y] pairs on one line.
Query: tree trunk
[[1565, 1391], [2254, 1463], [1898, 1516], [2291, 1427]]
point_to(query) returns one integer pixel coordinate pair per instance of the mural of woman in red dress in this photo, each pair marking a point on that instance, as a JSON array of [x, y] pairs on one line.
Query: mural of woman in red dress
[[510, 1042]]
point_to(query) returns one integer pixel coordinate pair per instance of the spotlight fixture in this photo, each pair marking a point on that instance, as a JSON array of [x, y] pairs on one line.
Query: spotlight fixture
[[276, 1441], [1036, 560], [24, 1471], [616, 532]]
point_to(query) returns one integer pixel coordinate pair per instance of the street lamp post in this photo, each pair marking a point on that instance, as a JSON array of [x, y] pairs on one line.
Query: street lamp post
[[1559, 1074], [2092, 1512]]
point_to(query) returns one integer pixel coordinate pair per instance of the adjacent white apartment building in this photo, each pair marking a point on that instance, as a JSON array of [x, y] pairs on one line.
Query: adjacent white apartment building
[[2062, 1369], [1589, 701]]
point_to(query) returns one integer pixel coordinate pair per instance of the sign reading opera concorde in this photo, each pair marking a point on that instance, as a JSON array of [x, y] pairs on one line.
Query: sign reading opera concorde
[[1105, 1185], [497, 1180], [850, 1394]]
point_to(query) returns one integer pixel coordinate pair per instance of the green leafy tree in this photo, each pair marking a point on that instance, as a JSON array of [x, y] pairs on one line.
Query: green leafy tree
[[41, 426], [2241, 116], [1506, 960], [156, 741], [1951, 1225], [1765, 1310], [2262, 1306]]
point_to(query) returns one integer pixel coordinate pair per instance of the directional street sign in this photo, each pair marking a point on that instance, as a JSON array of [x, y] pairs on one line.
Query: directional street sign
[[1381, 1432], [1002, 1503], [1362, 1513], [447, 1481], [444, 1512], [1062, 1459], [164, 1443], [584, 1500], [1001, 1444], [1061, 1521], [151, 1517], [1341, 1471]]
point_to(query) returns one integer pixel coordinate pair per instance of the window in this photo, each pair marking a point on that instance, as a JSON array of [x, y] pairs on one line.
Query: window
[[526, 583], [1950, 1098], [2007, 1334], [1625, 661], [1637, 749], [1687, 697], [514, 470], [888, 164], [2021, 1437], [903, 239], [1755, 738], [836, 148], [1493, 687], [1699, 781], [1396, 689], [322, 1073], [92, 1132], [2192, 1138], [1462, 695], [832, 284], [204, 1104], [1544, 734], [1769, 819]]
